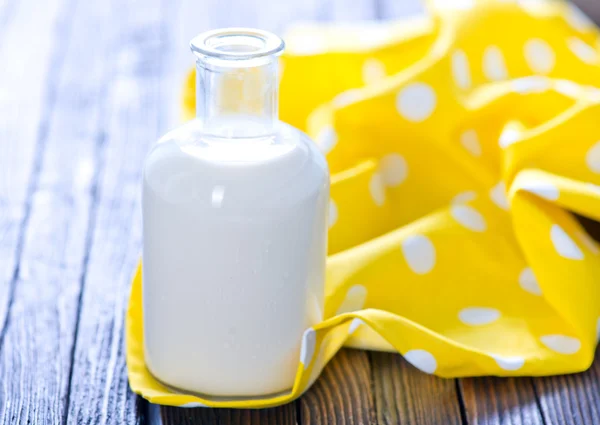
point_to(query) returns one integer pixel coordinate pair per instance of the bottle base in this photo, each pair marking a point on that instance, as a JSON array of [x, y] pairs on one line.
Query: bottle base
[[218, 398]]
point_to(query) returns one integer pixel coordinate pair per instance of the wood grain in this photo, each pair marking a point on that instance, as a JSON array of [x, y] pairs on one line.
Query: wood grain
[[342, 394], [405, 395], [201, 416], [26, 100], [41, 328], [500, 401], [571, 399], [99, 390]]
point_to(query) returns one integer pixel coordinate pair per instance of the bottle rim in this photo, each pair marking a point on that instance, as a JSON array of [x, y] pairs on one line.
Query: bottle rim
[[236, 44]]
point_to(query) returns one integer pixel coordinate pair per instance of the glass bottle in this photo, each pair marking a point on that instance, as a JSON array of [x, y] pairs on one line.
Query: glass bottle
[[235, 230]]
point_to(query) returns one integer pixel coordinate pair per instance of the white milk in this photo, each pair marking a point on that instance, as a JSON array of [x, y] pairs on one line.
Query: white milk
[[234, 211]]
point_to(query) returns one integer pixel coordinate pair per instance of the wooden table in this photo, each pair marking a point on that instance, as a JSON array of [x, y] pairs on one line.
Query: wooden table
[[85, 88]]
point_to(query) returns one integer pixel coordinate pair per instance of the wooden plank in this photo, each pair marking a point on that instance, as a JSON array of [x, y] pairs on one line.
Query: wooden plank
[[26, 99], [500, 401], [203, 416], [590, 7], [36, 357], [404, 395], [342, 394], [99, 389], [571, 399]]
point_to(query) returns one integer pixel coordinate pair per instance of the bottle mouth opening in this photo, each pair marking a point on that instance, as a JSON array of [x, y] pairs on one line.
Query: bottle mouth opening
[[236, 44]]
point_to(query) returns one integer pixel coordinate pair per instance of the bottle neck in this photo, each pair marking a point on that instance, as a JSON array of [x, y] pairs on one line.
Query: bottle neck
[[237, 101]]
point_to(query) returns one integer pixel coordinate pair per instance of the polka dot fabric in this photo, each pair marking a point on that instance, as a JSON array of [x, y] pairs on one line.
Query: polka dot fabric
[[458, 160]]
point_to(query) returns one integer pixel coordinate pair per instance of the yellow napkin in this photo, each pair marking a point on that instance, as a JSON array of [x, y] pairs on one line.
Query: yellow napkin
[[460, 146]]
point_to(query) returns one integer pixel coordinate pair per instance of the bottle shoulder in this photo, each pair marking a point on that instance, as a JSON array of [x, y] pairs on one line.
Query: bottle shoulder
[[187, 163]]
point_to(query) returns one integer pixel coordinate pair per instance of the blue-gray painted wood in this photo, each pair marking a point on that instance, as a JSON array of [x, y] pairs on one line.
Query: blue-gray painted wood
[[39, 335], [27, 77], [99, 391]]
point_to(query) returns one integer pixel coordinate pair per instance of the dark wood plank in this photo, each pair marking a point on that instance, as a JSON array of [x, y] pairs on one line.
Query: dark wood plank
[[202, 416], [26, 100], [342, 394], [590, 7], [500, 401], [405, 395], [571, 399], [99, 389]]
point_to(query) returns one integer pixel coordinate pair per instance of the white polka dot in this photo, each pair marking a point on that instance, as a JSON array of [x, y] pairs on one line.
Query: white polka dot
[[539, 56], [578, 20], [460, 69], [531, 85], [333, 213], [469, 217], [509, 362], [476, 316], [542, 188], [354, 301], [422, 360], [592, 158], [326, 139], [568, 88], [192, 404], [528, 282], [508, 137], [416, 102], [498, 196], [588, 242], [464, 197], [309, 340], [346, 98], [564, 245], [394, 169], [354, 325], [494, 66], [470, 141], [377, 189], [582, 50], [373, 70], [561, 344], [419, 253]]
